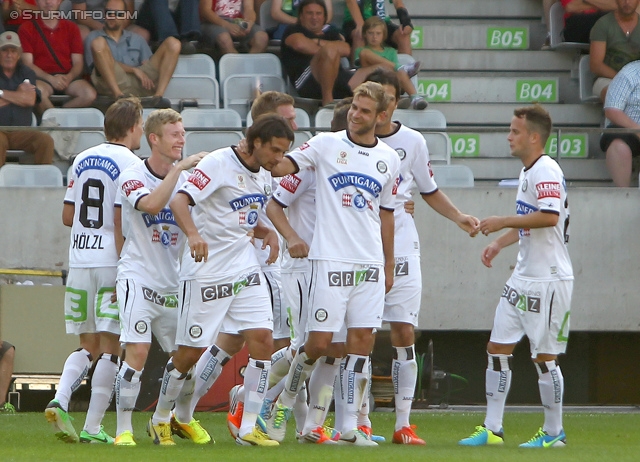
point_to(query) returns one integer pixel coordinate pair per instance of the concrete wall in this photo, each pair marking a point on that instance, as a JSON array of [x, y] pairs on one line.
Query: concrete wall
[[459, 292]]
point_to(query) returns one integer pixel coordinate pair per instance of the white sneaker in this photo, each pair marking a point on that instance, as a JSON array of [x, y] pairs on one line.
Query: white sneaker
[[277, 422], [411, 68], [356, 437]]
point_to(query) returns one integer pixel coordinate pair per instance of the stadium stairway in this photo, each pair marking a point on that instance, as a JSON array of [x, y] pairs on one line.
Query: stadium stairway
[[480, 60]]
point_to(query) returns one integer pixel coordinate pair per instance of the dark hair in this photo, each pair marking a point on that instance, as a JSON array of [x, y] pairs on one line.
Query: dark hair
[[121, 117], [537, 120], [269, 102], [304, 3], [339, 121], [266, 127], [385, 77]]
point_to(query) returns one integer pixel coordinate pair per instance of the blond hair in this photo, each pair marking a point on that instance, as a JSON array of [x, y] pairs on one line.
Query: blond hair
[[376, 92], [269, 102], [158, 119]]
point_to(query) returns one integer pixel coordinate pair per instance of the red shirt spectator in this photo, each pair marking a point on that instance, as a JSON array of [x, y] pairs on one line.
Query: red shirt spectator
[[11, 8], [64, 39]]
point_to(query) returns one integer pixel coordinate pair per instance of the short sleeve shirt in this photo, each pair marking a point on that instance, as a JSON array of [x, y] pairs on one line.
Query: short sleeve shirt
[[624, 91], [64, 39], [543, 253], [130, 50], [415, 170], [294, 62], [153, 242], [13, 115], [227, 199], [353, 183], [620, 48], [388, 53], [93, 191]]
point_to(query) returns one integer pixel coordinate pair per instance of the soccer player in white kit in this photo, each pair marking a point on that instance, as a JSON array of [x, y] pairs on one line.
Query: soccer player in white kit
[[351, 253], [536, 300], [227, 192], [147, 281], [92, 210], [402, 303]]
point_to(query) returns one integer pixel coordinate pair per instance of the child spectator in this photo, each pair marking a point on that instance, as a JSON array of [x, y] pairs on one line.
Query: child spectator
[[374, 53]]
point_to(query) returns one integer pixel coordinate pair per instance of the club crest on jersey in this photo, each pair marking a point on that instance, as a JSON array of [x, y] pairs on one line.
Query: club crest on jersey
[[241, 182], [548, 189], [360, 181], [381, 166], [244, 201], [290, 183], [321, 315], [525, 185], [131, 185], [401, 153], [199, 179], [141, 327], [342, 158], [195, 331], [267, 190]]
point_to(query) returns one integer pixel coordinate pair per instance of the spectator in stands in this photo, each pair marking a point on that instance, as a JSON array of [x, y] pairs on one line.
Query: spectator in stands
[[581, 16], [622, 109], [286, 13], [311, 56], [12, 12], [53, 49], [375, 54], [121, 61], [224, 21], [615, 41], [182, 24], [88, 23], [7, 352], [17, 98], [358, 11]]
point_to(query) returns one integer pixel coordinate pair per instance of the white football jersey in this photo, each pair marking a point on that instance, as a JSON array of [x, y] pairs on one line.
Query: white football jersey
[[297, 192], [227, 200], [93, 191], [352, 183], [263, 255], [415, 169], [153, 242], [543, 254]]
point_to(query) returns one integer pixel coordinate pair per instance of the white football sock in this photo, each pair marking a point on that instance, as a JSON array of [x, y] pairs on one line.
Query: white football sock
[[404, 374], [127, 391], [74, 371], [354, 384], [172, 382], [300, 369], [102, 385], [280, 364], [320, 392], [256, 378], [208, 369], [551, 384], [498, 382]]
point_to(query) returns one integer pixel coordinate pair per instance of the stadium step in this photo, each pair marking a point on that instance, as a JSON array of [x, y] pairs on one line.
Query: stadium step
[[573, 144], [458, 34], [492, 169], [574, 115], [472, 9], [495, 60], [470, 87]]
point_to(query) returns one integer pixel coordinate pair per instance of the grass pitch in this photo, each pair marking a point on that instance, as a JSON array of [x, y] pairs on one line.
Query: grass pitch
[[590, 437]]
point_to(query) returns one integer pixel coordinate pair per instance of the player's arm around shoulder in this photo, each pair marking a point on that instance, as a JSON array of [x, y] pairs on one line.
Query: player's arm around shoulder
[[154, 202]]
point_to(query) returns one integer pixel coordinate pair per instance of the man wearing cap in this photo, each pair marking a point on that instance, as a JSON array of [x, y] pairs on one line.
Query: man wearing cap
[[17, 98], [52, 47]]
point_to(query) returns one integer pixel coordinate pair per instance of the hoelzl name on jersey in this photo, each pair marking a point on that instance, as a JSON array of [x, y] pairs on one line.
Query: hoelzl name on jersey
[[87, 242], [342, 180], [242, 201], [548, 189], [103, 164], [164, 216]]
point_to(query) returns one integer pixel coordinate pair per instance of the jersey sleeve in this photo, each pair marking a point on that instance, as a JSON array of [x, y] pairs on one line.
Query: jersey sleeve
[[132, 186], [549, 183], [292, 186], [421, 169], [306, 155], [388, 193], [69, 195], [204, 180]]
